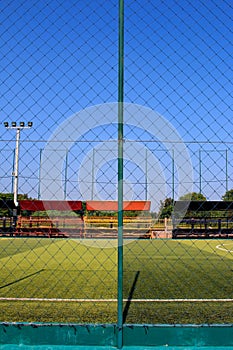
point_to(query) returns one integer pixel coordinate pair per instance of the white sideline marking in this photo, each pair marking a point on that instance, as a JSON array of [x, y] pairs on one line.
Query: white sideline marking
[[115, 300], [221, 247]]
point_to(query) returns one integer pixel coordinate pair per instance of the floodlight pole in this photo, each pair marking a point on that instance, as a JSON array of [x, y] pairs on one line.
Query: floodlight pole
[[16, 155], [16, 168]]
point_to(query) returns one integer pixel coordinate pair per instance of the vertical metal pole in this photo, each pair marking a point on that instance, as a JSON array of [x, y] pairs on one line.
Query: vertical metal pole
[[16, 167], [200, 174], [173, 176], [120, 173], [66, 169], [226, 170], [93, 174], [12, 182], [39, 194], [65, 184], [146, 176]]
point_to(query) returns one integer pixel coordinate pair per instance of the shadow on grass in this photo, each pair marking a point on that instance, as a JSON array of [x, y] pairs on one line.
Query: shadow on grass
[[21, 279], [130, 297]]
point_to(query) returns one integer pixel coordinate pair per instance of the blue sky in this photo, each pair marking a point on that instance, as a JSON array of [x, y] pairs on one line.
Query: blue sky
[[60, 57]]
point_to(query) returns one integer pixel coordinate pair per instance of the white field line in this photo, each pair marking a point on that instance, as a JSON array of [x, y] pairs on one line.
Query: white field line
[[115, 300], [221, 247]]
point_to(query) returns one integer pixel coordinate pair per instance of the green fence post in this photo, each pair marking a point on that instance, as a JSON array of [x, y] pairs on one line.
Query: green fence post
[[120, 172], [39, 194], [226, 170], [66, 171]]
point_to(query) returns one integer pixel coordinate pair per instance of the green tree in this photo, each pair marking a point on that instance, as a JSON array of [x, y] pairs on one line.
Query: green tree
[[166, 208], [4, 197], [228, 196], [193, 196], [10, 196]]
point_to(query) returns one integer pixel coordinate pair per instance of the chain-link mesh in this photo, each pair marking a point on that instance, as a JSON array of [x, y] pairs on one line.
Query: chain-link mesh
[[58, 176], [177, 62]]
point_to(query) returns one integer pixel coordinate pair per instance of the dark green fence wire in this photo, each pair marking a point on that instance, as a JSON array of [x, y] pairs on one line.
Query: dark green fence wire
[[152, 79]]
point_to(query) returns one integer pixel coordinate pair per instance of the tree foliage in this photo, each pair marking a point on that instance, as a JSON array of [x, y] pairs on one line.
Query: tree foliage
[[10, 196], [228, 196], [193, 196], [4, 197], [166, 208]]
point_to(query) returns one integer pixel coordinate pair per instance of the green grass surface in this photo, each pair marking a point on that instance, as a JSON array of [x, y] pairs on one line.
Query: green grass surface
[[35, 268]]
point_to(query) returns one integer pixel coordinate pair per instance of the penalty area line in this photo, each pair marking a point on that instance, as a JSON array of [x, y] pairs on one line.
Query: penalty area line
[[115, 300]]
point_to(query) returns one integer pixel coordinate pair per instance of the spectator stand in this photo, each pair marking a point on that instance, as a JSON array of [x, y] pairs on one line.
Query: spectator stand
[[50, 218], [8, 217], [101, 220], [203, 219]]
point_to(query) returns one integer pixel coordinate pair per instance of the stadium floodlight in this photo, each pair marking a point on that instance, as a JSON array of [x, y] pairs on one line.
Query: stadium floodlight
[[16, 164]]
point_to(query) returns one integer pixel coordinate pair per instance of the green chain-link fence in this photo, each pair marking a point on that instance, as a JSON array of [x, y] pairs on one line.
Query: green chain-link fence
[[64, 68]]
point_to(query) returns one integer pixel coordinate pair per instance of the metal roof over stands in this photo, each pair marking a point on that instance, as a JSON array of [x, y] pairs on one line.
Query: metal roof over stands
[[203, 205], [63, 205], [43, 205], [113, 205]]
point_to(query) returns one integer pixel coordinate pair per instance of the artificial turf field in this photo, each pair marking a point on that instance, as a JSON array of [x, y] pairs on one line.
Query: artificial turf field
[[71, 280]]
